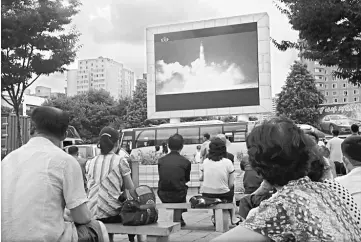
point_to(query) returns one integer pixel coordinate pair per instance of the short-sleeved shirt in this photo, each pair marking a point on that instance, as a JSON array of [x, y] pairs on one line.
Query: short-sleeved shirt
[[104, 182], [38, 181], [216, 176], [334, 145], [352, 181]]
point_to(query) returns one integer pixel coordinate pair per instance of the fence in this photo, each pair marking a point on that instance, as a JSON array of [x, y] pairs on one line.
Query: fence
[[9, 132]]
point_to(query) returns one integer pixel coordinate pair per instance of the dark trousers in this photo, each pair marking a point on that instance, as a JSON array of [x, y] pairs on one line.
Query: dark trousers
[[340, 168], [116, 219], [174, 197]]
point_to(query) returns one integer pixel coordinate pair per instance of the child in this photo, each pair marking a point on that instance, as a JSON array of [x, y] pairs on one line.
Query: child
[[197, 155]]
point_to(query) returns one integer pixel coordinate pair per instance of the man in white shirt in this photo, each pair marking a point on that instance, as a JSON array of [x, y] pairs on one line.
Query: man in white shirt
[[38, 181], [334, 145], [351, 148]]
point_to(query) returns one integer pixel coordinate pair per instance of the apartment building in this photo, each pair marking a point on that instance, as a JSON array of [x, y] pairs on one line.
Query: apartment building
[[336, 91], [101, 73]]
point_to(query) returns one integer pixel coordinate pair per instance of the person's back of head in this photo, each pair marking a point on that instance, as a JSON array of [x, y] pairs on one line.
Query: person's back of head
[[354, 129], [108, 140], [199, 147], [280, 151], [73, 150], [206, 136], [157, 148], [175, 142], [335, 132], [351, 149], [50, 121], [164, 148], [217, 150]]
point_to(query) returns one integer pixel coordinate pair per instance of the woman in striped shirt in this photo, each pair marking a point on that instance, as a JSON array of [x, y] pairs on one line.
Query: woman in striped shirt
[[108, 176]]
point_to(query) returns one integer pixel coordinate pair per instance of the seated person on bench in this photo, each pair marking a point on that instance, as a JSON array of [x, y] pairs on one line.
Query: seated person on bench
[[174, 172], [218, 175], [38, 181], [108, 175]]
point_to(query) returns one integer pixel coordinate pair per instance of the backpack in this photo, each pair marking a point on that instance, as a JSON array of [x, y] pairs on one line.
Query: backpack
[[140, 207]]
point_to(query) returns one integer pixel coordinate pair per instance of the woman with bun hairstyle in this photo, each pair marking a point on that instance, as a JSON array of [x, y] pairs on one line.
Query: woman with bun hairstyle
[[108, 176]]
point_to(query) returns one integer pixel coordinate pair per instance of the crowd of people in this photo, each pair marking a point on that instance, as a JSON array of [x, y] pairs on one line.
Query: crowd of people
[[297, 189]]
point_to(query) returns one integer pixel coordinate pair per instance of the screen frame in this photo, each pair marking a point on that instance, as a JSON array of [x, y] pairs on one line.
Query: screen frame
[[264, 67]]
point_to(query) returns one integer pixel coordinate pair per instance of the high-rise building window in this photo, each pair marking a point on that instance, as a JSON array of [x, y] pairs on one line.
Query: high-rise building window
[[356, 99], [355, 92], [318, 70], [345, 93], [334, 85], [318, 77], [326, 93], [335, 100], [345, 99], [334, 93], [326, 86], [344, 85]]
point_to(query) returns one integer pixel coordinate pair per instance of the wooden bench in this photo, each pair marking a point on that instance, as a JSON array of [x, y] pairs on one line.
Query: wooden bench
[[158, 232], [221, 213]]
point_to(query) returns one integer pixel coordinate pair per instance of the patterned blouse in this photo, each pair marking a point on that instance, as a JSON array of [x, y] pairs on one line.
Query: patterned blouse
[[307, 211]]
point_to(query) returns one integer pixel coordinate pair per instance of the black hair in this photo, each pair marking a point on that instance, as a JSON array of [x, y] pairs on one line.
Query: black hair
[[217, 150], [164, 148], [354, 128], [108, 139], [280, 151], [157, 148], [335, 132], [175, 142], [105, 144], [50, 120], [351, 147], [72, 150], [207, 136]]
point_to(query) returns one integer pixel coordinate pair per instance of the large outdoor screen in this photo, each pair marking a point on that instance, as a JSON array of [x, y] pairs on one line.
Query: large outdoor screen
[[207, 68]]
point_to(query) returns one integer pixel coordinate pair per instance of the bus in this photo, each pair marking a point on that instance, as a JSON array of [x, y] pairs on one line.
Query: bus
[[141, 142]]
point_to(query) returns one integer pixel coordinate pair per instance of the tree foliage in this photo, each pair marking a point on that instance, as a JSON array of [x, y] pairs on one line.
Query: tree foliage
[[299, 99], [91, 111], [34, 42], [137, 107], [330, 31], [6, 110]]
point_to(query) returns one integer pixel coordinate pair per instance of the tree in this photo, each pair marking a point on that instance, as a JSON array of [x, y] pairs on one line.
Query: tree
[[299, 99], [34, 42], [330, 33], [89, 112], [137, 107]]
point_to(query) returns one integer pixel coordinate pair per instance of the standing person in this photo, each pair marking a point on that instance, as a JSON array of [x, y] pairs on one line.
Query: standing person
[[39, 180], [197, 155], [218, 175], [74, 151], [108, 176], [351, 149], [165, 150], [205, 146], [355, 129], [174, 172], [334, 145]]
